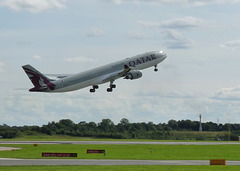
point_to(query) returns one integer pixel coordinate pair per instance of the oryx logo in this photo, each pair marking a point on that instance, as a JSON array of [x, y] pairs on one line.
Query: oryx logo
[[38, 79]]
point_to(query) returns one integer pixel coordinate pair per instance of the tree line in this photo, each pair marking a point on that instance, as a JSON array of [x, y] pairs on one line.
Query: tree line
[[123, 130]]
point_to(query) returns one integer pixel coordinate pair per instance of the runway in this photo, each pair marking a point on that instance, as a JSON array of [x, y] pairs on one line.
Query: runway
[[28, 162], [121, 142], [94, 162]]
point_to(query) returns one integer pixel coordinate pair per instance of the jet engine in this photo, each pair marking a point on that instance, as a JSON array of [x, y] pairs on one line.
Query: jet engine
[[133, 75]]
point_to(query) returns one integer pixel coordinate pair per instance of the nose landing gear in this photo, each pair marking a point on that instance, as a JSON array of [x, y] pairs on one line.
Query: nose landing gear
[[155, 69]]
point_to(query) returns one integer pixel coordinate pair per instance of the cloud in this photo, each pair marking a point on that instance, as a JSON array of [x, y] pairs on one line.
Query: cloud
[[176, 23], [175, 104], [79, 59], [168, 95], [180, 105], [183, 23], [178, 2], [33, 6], [179, 94], [172, 38], [95, 32], [229, 94], [175, 40], [231, 44], [149, 24], [37, 57], [24, 108], [136, 35], [1, 67]]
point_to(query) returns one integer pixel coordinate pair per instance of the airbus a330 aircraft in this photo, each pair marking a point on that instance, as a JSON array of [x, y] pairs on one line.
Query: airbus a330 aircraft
[[129, 68]]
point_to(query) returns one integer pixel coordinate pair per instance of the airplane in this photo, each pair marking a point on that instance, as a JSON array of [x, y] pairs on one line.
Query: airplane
[[129, 68]]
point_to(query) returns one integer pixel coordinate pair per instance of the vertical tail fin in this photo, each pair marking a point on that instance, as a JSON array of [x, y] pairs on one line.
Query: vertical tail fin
[[40, 81]]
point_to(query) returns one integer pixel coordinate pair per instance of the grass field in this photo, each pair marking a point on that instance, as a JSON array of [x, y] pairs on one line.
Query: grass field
[[144, 152], [120, 168]]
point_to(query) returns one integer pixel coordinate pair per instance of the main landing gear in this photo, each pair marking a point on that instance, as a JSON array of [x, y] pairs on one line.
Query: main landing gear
[[111, 87], [155, 69], [93, 89]]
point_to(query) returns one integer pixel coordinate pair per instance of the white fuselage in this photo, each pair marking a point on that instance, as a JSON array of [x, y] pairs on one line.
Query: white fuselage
[[97, 76]]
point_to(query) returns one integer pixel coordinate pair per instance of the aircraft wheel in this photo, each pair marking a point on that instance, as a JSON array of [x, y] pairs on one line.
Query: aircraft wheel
[[92, 90], [95, 86], [113, 86], [155, 69], [109, 90]]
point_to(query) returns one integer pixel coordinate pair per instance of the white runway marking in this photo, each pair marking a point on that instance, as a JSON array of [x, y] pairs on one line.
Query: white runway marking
[[8, 148]]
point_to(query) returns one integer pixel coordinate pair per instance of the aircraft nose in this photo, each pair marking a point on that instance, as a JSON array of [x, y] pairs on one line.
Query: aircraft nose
[[163, 54]]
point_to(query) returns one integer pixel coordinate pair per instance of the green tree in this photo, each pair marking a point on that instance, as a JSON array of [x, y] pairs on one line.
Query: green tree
[[173, 124], [106, 126]]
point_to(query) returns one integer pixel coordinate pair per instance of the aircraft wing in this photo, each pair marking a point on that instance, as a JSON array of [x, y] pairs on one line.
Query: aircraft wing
[[58, 76], [113, 76]]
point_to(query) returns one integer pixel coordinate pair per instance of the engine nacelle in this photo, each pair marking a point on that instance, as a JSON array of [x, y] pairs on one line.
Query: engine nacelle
[[133, 75]]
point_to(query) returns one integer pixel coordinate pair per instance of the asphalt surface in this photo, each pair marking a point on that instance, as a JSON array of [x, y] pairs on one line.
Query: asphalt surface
[[51, 162]]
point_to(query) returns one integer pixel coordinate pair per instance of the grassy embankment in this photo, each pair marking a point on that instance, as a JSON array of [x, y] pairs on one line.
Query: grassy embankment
[[172, 135]]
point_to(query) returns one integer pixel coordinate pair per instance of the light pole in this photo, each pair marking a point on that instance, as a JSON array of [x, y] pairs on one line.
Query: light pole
[[200, 123]]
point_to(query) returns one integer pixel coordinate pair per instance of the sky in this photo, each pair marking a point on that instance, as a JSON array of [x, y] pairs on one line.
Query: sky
[[199, 76]]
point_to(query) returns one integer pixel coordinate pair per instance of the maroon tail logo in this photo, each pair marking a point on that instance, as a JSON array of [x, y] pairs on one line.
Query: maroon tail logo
[[39, 81]]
